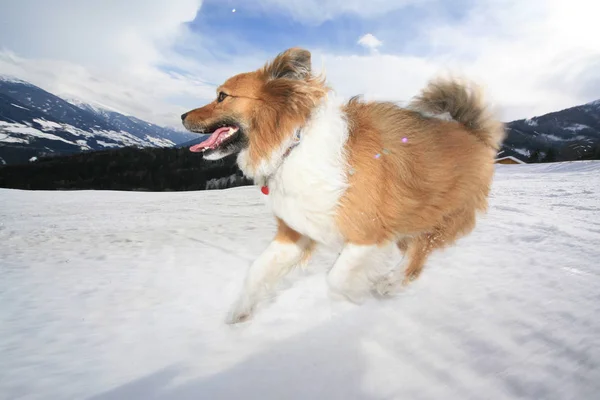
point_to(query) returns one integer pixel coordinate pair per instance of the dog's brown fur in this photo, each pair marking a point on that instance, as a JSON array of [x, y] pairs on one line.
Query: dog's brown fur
[[271, 102], [427, 189]]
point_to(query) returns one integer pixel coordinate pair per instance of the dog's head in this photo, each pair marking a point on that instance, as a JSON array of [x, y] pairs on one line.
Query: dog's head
[[256, 113]]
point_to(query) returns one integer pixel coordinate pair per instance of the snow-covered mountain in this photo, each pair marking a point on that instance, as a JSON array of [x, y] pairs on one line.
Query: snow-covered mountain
[[132, 124], [570, 134], [34, 123]]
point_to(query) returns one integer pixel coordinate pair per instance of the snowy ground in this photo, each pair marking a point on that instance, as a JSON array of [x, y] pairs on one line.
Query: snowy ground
[[115, 295]]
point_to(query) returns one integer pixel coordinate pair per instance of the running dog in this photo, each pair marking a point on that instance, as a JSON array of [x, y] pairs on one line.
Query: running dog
[[361, 175]]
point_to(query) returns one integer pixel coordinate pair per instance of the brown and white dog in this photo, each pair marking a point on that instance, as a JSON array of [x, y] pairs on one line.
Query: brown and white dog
[[363, 176]]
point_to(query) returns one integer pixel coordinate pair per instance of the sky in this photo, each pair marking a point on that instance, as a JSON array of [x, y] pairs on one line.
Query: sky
[[157, 59]]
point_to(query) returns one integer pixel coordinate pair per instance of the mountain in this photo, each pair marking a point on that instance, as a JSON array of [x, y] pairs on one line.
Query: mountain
[[35, 123], [132, 124], [566, 135]]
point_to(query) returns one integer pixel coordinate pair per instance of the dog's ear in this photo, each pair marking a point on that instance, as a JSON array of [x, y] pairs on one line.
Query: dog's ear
[[294, 63]]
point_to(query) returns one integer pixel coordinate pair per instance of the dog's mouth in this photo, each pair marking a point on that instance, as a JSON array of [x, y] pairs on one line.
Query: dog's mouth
[[219, 138]]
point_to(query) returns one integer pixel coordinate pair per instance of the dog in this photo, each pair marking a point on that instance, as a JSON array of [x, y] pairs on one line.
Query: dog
[[360, 175]]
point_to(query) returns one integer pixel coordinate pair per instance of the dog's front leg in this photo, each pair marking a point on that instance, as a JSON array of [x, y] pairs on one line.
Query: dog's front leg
[[287, 249]]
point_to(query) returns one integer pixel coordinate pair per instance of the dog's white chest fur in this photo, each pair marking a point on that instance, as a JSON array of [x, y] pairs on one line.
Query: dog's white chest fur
[[305, 191]]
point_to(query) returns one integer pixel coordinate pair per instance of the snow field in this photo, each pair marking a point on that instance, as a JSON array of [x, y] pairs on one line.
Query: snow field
[[121, 295]]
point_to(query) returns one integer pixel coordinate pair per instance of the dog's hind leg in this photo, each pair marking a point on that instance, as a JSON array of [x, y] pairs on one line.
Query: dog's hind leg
[[417, 252], [453, 227], [356, 268], [418, 249], [287, 249]]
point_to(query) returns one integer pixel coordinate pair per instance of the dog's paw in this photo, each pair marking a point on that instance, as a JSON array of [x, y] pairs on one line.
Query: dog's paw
[[387, 286], [238, 318], [343, 291], [241, 312], [239, 315]]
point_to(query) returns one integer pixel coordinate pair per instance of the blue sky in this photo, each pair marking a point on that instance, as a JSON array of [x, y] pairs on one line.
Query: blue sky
[[248, 28], [157, 58]]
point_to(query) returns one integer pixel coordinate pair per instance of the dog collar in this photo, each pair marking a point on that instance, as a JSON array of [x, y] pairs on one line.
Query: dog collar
[[295, 142]]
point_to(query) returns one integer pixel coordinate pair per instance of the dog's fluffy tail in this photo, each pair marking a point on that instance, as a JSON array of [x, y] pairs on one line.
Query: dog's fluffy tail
[[464, 102]]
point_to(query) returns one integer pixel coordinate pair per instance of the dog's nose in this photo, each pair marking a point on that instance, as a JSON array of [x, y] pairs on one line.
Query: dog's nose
[[183, 116]]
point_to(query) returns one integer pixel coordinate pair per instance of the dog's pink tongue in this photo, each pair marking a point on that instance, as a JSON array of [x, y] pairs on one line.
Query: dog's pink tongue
[[211, 141]]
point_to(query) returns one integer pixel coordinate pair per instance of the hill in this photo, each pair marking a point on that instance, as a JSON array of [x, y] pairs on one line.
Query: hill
[[566, 135], [36, 123]]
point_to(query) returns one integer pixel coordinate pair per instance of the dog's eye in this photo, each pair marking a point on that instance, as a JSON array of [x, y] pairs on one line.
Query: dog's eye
[[221, 97]]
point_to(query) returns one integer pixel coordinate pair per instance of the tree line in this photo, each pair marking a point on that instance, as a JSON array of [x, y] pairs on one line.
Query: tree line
[[139, 169]]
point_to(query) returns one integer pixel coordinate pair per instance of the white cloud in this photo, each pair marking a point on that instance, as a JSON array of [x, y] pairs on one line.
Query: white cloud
[[532, 57], [142, 91], [378, 76], [369, 41], [106, 52], [95, 32]]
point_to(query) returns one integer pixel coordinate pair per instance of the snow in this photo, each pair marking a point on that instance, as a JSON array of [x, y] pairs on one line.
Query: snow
[[531, 122], [123, 295], [49, 125], [557, 138], [594, 103], [13, 79], [13, 132], [89, 105], [576, 127], [523, 152], [6, 138], [106, 144], [22, 129], [125, 138], [18, 106], [158, 142], [83, 145]]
